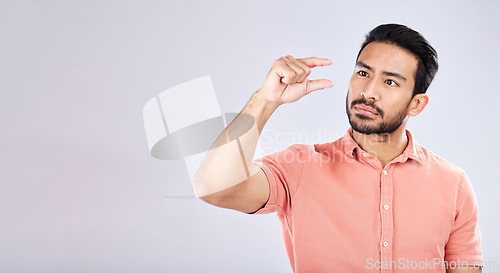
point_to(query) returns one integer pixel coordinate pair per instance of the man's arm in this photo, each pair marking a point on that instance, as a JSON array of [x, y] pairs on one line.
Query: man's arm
[[464, 243], [227, 177]]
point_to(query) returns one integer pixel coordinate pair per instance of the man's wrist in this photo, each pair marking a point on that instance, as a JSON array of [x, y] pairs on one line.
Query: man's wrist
[[259, 101], [260, 108]]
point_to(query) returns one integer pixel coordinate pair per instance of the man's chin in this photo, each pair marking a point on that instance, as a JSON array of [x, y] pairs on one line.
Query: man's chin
[[363, 128], [365, 131]]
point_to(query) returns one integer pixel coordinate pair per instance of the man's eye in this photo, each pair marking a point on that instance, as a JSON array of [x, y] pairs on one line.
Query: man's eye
[[392, 83], [362, 73]]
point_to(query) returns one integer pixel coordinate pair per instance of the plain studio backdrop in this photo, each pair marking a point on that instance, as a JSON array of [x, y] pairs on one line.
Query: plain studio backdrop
[[79, 191]]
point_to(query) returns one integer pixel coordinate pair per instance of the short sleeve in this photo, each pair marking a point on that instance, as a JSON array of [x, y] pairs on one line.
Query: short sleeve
[[464, 243], [283, 170]]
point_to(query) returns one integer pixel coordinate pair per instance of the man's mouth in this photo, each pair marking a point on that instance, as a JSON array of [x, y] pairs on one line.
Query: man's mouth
[[365, 109]]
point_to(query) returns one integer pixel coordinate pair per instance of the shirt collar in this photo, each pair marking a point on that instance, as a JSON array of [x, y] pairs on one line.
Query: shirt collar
[[412, 150]]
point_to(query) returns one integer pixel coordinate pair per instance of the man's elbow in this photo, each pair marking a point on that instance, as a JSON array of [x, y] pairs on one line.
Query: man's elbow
[[212, 195]]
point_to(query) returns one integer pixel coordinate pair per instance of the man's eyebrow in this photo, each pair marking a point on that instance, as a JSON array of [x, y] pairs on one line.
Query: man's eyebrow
[[392, 74], [362, 64]]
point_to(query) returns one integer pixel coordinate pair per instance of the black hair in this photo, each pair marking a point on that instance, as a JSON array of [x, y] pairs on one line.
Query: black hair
[[412, 41]]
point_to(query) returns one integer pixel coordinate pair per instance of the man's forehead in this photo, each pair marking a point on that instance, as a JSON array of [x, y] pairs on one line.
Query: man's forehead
[[387, 57]]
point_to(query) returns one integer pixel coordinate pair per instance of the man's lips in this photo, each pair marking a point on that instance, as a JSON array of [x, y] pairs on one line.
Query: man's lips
[[365, 109]]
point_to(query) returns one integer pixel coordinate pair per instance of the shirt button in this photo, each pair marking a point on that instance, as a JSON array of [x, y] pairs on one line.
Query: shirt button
[[385, 172], [386, 207], [386, 244], [365, 154]]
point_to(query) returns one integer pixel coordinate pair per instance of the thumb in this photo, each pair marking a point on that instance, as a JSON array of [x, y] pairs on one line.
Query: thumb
[[318, 85]]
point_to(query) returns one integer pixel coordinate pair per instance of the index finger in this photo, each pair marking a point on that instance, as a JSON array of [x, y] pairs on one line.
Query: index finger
[[315, 61]]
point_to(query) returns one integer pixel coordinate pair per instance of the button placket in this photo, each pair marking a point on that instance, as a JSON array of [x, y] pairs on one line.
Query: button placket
[[386, 194]]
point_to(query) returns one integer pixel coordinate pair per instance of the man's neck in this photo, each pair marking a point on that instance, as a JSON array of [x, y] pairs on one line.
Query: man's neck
[[385, 147]]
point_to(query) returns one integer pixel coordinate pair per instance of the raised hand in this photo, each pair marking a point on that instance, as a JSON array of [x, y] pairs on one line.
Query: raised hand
[[287, 81]]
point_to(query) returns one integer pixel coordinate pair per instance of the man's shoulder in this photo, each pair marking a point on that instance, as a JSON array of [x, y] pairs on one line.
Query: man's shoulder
[[327, 146], [439, 164], [311, 150]]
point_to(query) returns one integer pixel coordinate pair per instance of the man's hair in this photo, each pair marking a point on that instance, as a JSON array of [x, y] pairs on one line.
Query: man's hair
[[412, 41]]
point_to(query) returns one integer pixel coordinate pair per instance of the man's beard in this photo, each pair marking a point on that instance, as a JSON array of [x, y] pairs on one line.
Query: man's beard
[[386, 127]]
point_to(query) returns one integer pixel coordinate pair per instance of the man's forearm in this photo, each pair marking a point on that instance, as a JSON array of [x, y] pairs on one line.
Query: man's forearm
[[229, 160]]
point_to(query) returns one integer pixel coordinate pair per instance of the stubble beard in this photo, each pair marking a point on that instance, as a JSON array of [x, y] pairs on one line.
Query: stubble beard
[[384, 128]]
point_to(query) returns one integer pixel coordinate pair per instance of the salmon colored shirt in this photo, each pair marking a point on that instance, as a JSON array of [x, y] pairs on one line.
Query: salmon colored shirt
[[341, 211]]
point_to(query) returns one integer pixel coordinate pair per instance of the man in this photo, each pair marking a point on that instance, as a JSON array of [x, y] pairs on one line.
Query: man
[[372, 201]]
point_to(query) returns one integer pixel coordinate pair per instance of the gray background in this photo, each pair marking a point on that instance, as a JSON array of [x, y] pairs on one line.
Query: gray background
[[79, 191]]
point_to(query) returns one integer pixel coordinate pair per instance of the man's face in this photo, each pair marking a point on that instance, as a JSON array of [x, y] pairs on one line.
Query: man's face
[[380, 90]]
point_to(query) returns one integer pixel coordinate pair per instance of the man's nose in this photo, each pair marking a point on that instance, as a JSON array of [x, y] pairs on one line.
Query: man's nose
[[369, 91]]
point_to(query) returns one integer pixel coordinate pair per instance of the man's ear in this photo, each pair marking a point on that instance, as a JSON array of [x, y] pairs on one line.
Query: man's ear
[[418, 104]]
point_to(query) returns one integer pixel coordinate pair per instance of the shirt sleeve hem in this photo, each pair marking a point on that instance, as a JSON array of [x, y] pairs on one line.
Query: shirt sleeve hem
[[473, 259], [271, 205]]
